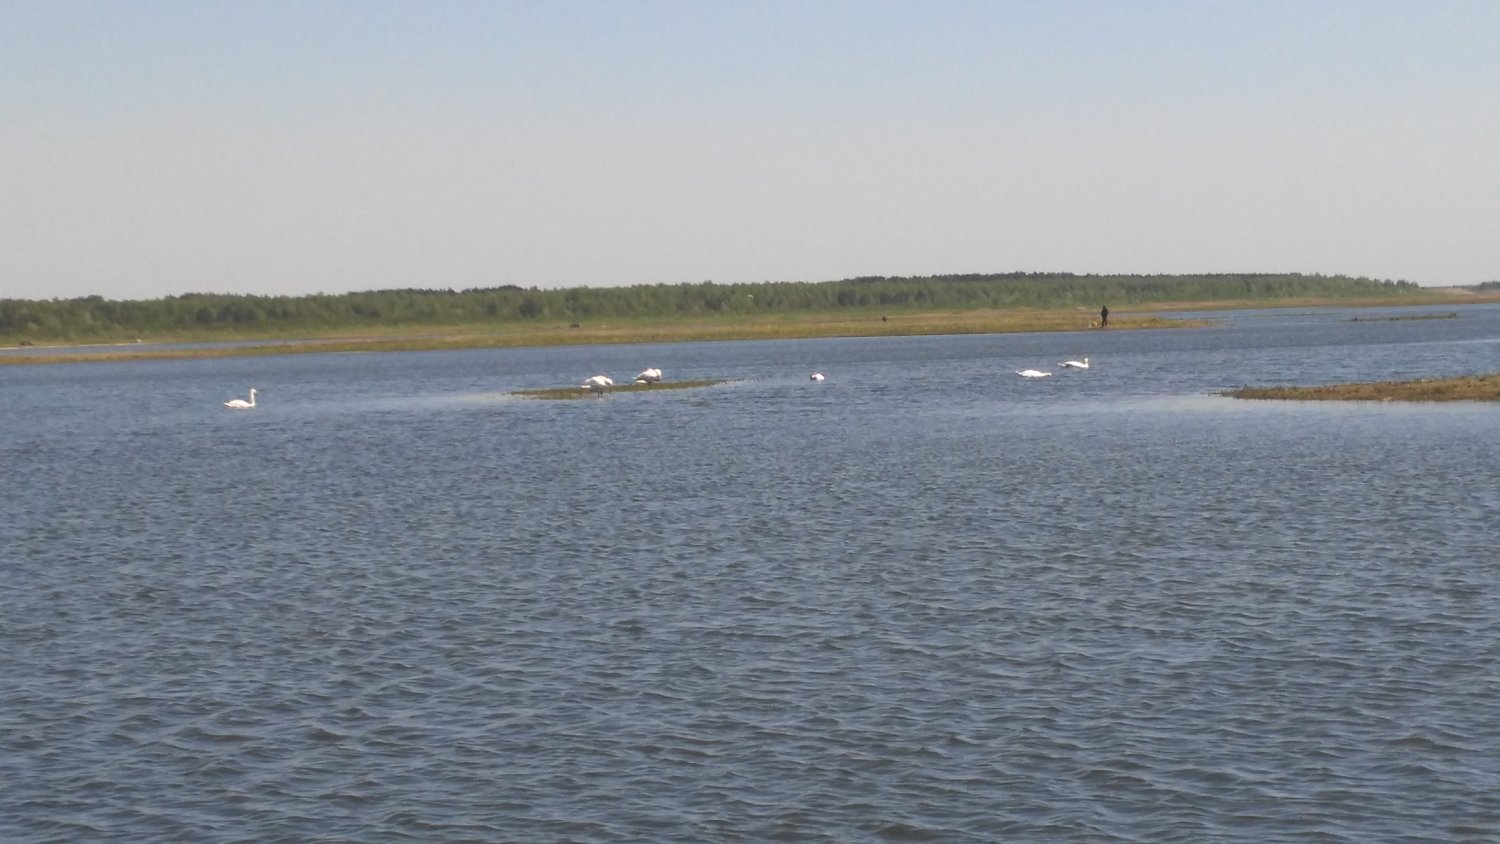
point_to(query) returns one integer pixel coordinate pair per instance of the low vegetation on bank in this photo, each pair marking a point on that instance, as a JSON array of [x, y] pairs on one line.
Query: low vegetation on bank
[[207, 317], [1463, 388], [782, 327], [210, 325]]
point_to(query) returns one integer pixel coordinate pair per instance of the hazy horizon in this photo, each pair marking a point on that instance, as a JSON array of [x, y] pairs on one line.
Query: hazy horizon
[[281, 148], [461, 290]]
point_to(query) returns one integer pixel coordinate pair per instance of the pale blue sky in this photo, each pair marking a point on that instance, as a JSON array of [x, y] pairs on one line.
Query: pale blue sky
[[157, 147]]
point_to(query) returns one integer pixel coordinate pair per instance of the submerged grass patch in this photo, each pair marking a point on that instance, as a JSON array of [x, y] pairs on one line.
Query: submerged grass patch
[[1462, 388], [1403, 317], [566, 393]]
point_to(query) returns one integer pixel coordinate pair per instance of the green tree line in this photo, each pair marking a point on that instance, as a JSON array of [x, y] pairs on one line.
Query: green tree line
[[206, 314]]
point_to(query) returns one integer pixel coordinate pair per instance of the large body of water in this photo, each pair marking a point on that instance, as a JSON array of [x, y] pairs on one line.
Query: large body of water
[[924, 600]]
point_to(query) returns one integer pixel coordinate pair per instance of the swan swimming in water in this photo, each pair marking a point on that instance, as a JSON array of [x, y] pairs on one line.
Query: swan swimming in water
[[597, 383], [1033, 373], [649, 376], [241, 404], [816, 376], [1075, 364]]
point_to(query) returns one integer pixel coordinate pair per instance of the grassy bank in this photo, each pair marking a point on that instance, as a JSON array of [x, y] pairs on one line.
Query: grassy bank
[[780, 327], [1464, 388]]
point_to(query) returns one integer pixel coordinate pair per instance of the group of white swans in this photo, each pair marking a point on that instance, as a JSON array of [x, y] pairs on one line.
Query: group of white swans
[[1042, 373], [595, 383], [601, 383]]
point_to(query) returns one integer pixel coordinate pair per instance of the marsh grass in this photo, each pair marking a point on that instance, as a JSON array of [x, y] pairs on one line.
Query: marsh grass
[[1462, 388], [771, 327], [569, 393]]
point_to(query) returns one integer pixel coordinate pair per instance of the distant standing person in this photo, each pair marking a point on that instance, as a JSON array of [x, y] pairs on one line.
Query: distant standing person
[[1104, 316]]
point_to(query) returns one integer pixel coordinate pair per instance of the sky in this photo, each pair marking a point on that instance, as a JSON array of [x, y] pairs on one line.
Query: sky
[[160, 147]]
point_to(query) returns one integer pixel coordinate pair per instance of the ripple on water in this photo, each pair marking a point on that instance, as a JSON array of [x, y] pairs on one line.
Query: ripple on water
[[926, 613]]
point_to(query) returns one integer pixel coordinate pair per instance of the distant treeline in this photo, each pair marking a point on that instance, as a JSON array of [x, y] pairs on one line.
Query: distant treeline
[[97, 318]]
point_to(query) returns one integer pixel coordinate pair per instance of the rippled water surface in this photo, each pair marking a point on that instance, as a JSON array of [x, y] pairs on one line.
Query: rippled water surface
[[924, 600]]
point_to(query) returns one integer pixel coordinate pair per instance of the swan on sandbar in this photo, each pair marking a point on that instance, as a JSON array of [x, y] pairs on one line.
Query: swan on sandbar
[[597, 383], [1075, 364], [241, 404], [816, 376], [1032, 373], [649, 376]]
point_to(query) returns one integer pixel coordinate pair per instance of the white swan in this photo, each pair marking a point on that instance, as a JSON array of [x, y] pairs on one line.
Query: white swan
[[241, 404], [1075, 364], [1032, 373], [816, 376], [649, 376], [597, 383]]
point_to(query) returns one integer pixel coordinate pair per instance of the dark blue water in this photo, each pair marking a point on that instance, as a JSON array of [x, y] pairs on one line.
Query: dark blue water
[[925, 600]]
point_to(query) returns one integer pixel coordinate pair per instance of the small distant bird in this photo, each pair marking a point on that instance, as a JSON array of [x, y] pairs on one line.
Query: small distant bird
[[597, 383], [1032, 373], [241, 404], [1076, 364], [649, 376], [816, 376]]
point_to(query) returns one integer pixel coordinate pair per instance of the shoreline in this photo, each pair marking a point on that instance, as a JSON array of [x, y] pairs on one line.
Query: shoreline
[[797, 326], [447, 338]]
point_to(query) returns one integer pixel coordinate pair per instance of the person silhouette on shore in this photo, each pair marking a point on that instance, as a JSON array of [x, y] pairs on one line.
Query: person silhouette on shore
[[1104, 316]]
